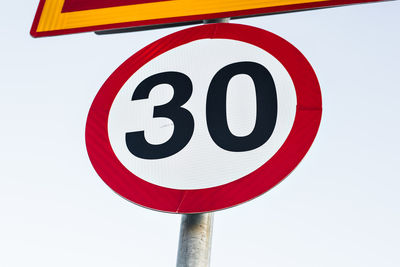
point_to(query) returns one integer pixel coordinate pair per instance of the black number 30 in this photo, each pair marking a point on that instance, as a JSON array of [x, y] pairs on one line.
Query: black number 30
[[215, 111]]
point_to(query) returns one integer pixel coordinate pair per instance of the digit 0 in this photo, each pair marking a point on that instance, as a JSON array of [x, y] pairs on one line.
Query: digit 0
[[266, 107]]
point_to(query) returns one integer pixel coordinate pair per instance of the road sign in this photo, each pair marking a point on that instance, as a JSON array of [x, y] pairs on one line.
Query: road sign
[[204, 119], [56, 17]]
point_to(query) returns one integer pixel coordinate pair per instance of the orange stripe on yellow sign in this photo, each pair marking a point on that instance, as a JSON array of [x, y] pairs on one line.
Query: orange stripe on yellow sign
[[55, 17]]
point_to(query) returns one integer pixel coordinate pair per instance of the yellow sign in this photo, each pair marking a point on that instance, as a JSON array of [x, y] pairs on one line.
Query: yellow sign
[[56, 17]]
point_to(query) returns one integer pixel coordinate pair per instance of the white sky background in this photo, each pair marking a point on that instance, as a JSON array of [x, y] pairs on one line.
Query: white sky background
[[340, 207]]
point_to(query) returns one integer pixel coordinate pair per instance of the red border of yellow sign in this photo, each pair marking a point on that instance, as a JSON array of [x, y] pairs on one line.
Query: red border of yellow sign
[[53, 19]]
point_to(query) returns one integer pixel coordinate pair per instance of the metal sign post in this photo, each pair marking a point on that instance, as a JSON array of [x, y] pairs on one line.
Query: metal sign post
[[195, 240]]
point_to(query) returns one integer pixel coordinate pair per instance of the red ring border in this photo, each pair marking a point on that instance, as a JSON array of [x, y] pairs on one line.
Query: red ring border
[[143, 193]]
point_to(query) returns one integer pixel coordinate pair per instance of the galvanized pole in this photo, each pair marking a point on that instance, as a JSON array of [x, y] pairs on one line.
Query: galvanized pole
[[195, 240], [196, 229]]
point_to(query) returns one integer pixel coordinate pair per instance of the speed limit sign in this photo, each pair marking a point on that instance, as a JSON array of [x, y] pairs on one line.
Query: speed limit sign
[[204, 119]]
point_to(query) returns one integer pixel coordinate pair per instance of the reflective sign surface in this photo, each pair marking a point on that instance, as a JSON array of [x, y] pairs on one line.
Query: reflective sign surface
[[55, 17], [204, 119]]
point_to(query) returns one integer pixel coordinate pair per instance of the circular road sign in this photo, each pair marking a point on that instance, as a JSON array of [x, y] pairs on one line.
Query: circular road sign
[[204, 119]]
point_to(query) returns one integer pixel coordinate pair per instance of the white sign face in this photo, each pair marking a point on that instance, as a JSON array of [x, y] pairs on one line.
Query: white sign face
[[201, 163], [204, 119]]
